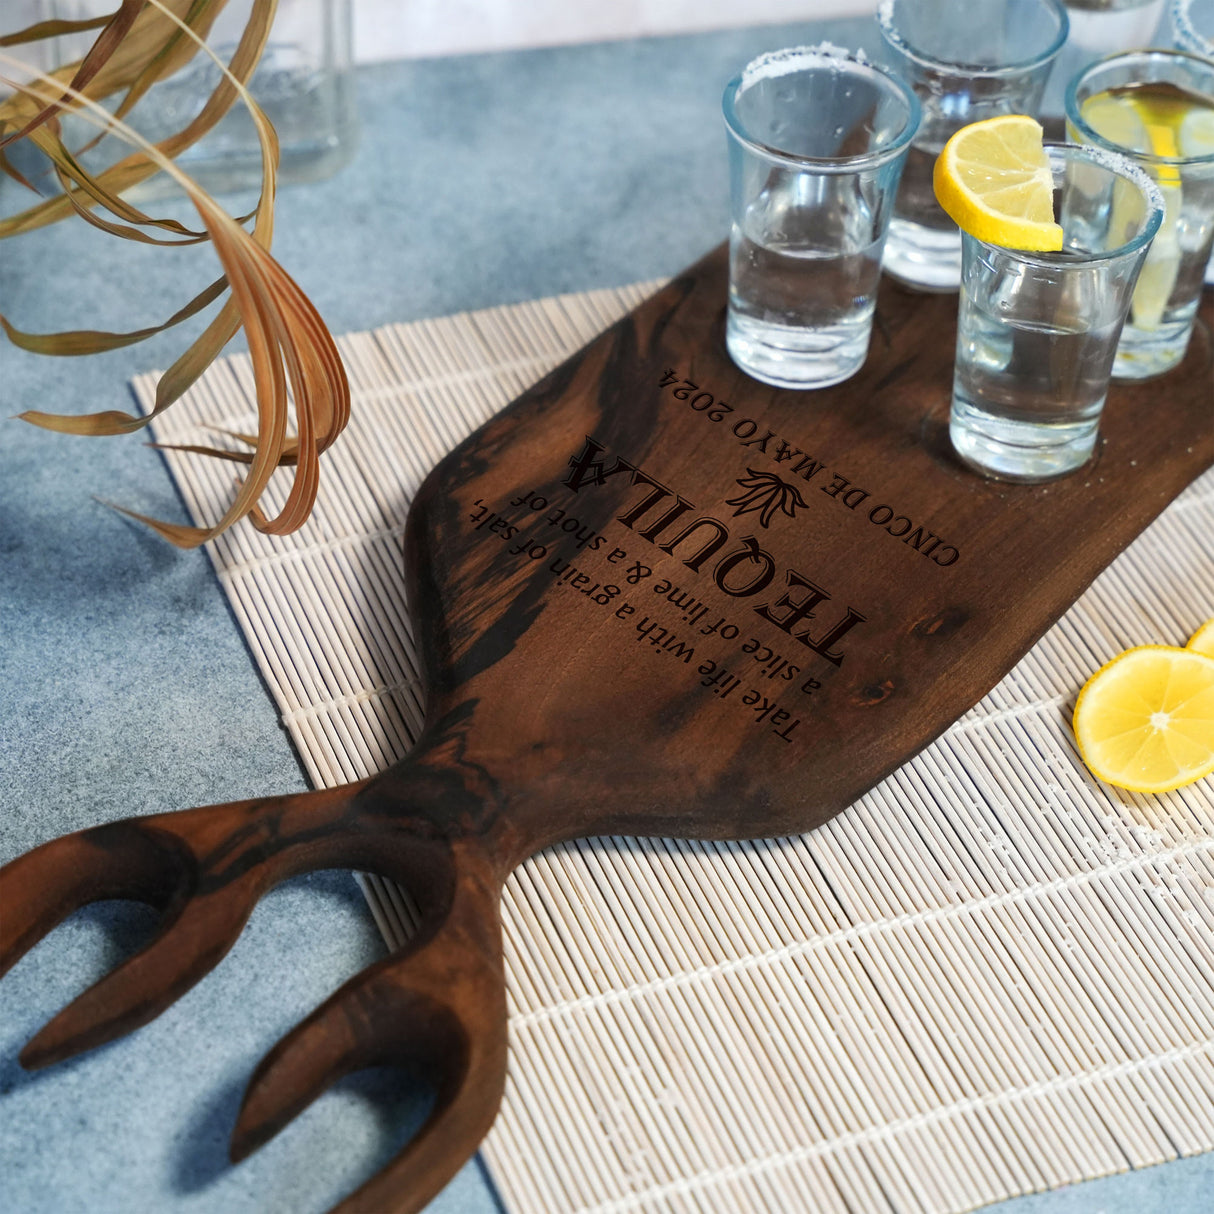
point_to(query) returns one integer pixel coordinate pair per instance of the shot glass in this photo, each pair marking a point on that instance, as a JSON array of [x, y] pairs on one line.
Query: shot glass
[[967, 60], [1193, 26], [1165, 303], [1037, 332], [817, 139], [1099, 28], [1193, 31]]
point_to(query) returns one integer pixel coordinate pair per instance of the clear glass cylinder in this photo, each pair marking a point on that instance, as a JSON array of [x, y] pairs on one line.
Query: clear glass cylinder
[[1167, 298], [1193, 26], [1099, 28], [817, 139], [303, 81], [1037, 332], [966, 60]]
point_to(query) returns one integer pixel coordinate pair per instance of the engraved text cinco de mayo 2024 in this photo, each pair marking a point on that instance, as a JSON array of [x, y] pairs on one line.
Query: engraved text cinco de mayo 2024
[[703, 543]]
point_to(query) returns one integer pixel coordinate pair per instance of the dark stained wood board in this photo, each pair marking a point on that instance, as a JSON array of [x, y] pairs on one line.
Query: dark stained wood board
[[612, 729], [652, 596]]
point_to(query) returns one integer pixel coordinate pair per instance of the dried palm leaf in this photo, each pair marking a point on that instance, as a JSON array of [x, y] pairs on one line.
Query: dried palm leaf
[[156, 44], [295, 361]]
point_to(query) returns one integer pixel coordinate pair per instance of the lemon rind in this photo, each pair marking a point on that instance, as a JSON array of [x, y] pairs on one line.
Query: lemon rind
[[1202, 641]]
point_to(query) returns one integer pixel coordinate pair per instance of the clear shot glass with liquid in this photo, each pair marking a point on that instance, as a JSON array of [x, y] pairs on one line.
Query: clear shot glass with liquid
[[1099, 28], [1037, 332], [1192, 23], [1192, 26], [817, 139], [966, 60], [1157, 107]]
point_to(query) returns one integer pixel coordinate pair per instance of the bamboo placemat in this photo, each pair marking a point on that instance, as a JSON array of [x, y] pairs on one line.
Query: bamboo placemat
[[990, 976]]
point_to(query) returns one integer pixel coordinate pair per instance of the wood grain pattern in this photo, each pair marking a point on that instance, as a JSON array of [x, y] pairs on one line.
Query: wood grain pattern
[[653, 597]]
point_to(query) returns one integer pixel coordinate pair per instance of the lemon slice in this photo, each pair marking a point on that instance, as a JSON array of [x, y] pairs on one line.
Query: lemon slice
[[993, 180], [1138, 125], [1145, 720], [1195, 137], [1117, 119], [1161, 268], [1203, 639]]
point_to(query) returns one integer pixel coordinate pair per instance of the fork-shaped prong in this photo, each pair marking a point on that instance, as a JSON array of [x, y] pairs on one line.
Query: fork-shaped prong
[[437, 1006], [121, 860], [204, 869], [188, 945]]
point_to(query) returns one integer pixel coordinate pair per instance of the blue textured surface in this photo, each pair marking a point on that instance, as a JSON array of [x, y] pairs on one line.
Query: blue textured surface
[[125, 686]]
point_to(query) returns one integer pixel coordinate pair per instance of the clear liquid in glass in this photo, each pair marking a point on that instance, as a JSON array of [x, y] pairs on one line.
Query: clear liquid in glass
[[1027, 395], [797, 314]]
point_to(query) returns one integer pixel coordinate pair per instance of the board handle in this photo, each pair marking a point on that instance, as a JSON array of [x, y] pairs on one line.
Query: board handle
[[436, 1006]]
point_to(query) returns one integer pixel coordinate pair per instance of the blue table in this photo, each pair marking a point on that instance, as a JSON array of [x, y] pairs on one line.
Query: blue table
[[125, 685]]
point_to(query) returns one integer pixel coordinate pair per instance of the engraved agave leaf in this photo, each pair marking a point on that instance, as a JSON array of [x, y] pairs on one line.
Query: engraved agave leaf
[[767, 494], [295, 360]]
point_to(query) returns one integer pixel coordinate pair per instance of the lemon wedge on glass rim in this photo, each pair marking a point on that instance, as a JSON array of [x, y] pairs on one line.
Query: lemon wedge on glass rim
[[993, 181], [1145, 720]]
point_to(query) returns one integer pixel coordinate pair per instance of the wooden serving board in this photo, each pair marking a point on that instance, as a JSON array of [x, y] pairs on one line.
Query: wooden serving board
[[719, 609], [652, 596]]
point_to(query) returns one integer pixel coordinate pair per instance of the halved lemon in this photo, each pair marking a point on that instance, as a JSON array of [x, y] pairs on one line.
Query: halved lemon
[[1145, 720], [993, 180], [1203, 639]]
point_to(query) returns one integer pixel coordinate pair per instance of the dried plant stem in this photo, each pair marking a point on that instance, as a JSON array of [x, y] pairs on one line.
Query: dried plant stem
[[295, 361]]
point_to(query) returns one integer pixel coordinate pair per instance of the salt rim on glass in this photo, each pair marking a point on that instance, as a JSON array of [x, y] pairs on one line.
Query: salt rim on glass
[[1185, 32], [1115, 162], [773, 64], [885, 22]]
